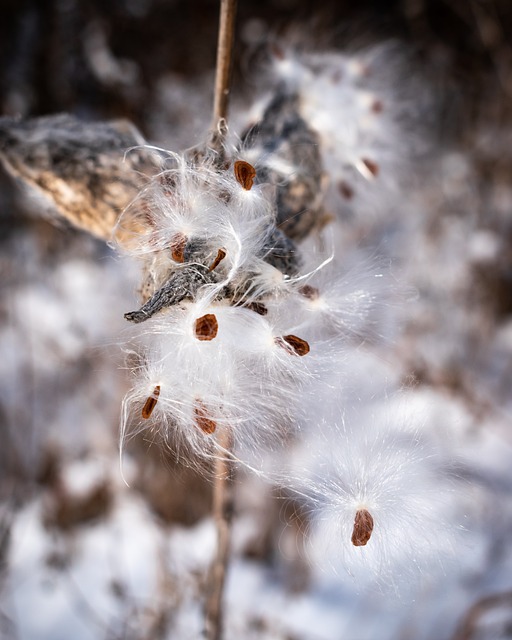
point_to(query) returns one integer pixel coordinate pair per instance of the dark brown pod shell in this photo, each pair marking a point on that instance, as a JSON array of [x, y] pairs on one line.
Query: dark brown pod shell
[[204, 422], [150, 403], [206, 327], [363, 527], [245, 174], [294, 345]]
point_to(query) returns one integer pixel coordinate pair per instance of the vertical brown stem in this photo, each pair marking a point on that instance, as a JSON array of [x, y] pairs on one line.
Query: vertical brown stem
[[223, 502], [223, 495], [224, 63]]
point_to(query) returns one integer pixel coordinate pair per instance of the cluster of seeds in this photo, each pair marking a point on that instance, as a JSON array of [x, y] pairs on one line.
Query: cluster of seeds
[[247, 310]]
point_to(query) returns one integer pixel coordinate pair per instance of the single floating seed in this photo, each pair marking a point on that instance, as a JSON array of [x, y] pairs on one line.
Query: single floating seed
[[206, 327], [363, 527], [245, 174], [150, 403], [309, 292], [294, 345], [345, 190], [377, 106], [372, 166], [178, 244], [221, 254], [205, 423]]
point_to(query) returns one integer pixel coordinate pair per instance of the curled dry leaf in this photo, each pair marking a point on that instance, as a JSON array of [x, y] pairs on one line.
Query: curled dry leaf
[[150, 403], [294, 345], [204, 422], [363, 527], [245, 174], [206, 327]]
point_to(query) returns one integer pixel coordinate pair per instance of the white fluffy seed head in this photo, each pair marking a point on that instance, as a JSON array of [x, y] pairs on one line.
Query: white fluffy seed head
[[392, 475]]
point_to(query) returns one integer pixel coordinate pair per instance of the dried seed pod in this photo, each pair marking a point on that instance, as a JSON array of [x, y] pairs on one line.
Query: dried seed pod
[[363, 527], [245, 174], [206, 327], [294, 345], [178, 244], [221, 254], [309, 292], [204, 422], [150, 403]]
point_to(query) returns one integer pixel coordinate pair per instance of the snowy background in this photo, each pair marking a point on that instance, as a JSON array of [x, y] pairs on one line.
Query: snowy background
[[83, 555]]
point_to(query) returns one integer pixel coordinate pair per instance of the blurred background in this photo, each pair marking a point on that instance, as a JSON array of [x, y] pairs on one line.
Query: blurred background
[[84, 556]]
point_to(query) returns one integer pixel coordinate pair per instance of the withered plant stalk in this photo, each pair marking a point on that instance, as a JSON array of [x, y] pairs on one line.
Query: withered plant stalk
[[223, 492], [223, 503]]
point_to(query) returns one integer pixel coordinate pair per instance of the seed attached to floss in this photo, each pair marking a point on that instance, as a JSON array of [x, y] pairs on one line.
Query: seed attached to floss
[[345, 190], [178, 244], [294, 345], [245, 174], [221, 254], [363, 527], [204, 422], [206, 327], [309, 292], [371, 166], [257, 307], [150, 403]]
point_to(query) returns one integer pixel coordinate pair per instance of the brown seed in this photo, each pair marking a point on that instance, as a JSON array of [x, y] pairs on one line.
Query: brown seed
[[206, 327], [257, 307], [294, 345], [245, 174], [150, 403], [372, 166], [221, 254], [345, 190], [178, 244], [363, 527], [278, 51], [205, 423], [377, 106], [309, 292]]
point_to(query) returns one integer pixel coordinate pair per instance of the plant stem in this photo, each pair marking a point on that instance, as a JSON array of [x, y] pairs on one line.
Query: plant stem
[[223, 494], [224, 63], [223, 502]]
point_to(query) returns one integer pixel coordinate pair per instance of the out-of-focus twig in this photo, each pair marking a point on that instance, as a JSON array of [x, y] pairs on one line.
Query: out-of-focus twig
[[468, 627]]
